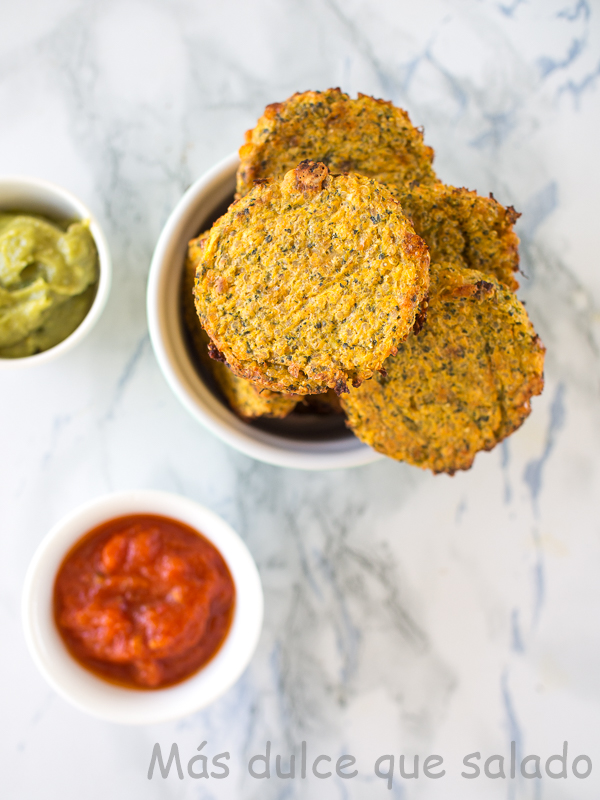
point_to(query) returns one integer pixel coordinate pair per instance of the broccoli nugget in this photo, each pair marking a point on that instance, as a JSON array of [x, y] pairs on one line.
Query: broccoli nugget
[[246, 399], [310, 283], [461, 385], [460, 226], [373, 138], [368, 136], [249, 400]]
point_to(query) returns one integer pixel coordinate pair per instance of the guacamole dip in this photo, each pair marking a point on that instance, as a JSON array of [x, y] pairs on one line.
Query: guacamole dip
[[48, 280]]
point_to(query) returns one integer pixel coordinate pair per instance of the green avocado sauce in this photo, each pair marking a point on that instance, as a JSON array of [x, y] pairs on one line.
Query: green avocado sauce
[[48, 281]]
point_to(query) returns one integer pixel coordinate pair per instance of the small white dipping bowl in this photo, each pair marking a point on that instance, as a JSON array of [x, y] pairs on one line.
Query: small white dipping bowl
[[198, 207], [29, 195], [99, 697]]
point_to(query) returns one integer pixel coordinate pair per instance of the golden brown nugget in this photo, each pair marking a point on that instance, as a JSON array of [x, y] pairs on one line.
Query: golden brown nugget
[[373, 138], [250, 401], [461, 385], [368, 136], [460, 226], [198, 337], [246, 399], [312, 282]]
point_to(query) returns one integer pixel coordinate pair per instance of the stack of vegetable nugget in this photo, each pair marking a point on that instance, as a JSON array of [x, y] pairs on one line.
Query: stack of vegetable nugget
[[346, 265]]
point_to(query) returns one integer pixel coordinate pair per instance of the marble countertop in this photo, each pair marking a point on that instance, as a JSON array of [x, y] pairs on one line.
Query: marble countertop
[[406, 614]]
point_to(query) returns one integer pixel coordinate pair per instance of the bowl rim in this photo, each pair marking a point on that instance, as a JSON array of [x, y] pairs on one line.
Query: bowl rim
[[82, 212], [105, 700], [179, 371]]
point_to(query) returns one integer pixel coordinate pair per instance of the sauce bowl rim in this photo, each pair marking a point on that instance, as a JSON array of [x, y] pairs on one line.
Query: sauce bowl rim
[[44, 194], [97, 696]]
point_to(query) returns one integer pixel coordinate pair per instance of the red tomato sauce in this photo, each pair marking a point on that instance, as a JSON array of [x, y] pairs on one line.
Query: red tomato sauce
[[143, 601]]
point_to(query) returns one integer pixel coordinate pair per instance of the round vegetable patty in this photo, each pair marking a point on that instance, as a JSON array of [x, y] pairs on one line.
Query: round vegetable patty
[[312, 282], [364, 135], [459, 386], [464, 228], [245, 397], [374, 138]]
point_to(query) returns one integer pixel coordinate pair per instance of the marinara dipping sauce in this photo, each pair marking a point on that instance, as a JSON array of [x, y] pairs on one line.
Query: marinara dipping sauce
[[144, 601]]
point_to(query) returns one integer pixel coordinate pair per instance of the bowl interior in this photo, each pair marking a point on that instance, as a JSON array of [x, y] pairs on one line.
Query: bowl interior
[[301, 440], [39, 197]]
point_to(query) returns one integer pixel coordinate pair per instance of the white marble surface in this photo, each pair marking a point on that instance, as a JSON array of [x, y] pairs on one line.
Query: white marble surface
[[406, 613]]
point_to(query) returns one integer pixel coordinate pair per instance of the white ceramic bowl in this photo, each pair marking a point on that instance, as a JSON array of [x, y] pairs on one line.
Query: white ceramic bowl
[[41, 197], [105, 700], [197, 208]]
